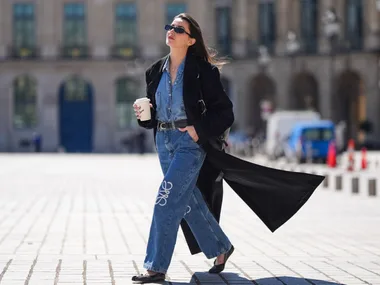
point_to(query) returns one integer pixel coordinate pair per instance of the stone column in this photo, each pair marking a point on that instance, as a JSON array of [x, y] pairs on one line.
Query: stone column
[[100, 19], [58, 22], [46, 24], [372, 30], [6, 13], [104, 116], [278, 71], [151, 21], [203, 12], [324, 87], [372, 90], [241, 86], [200, 11], [294, 12], [48, 90], [240, 24], [282, 23], [2, 28]]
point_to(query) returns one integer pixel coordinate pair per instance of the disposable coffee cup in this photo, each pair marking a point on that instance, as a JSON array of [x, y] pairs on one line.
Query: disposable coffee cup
[[145, 108]]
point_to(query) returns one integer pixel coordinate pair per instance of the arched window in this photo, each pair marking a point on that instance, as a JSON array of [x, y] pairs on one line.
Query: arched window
[[24, 102], [127, 91], [76, 89]]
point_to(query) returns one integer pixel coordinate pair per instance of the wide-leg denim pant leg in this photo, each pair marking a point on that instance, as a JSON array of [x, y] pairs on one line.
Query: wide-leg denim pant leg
[[181, 159], [208, 233]]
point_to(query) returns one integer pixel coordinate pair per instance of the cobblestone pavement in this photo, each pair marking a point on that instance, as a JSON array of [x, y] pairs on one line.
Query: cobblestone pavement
[[76, 219]]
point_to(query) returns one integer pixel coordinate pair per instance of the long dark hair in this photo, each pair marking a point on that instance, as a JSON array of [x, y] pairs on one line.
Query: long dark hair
[[199, 49]]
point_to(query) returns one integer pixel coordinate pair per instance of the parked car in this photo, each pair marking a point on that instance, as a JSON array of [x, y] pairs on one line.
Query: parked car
[[279, 126], [310, 140]]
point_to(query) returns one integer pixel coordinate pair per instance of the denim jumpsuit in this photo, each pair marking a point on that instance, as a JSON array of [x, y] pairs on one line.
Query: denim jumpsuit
[[178, 197]]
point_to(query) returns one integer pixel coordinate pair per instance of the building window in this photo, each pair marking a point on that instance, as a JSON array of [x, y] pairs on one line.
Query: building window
[[24, 30], [76, 89], [267, 24], [173, 9], [223, 29], [309, 25], [354, 24], [74, 30], [24, 102], [125, 30], [127, 91]]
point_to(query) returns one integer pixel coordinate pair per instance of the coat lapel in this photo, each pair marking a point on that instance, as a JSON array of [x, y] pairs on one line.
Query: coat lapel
[[155, 79], [190, 83]]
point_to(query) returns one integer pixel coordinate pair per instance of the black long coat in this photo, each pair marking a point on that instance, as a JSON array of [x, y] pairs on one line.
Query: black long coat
[[274, 195]]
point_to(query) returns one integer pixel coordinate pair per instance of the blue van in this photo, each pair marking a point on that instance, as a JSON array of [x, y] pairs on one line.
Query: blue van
[[310, 139]]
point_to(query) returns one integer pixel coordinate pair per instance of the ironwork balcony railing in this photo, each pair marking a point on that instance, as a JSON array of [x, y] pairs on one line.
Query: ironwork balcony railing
[[23, 52], [75, 51], [124, 51], [353, 42], [309, 46]]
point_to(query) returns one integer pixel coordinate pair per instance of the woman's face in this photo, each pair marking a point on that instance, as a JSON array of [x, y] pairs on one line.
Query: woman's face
[[177, 40]]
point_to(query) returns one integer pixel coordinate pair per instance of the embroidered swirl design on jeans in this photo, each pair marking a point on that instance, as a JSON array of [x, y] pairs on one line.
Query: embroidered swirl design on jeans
[[164, 193], [188, 210]]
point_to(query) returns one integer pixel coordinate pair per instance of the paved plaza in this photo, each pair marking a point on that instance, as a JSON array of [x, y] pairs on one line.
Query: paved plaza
[[84, 219]]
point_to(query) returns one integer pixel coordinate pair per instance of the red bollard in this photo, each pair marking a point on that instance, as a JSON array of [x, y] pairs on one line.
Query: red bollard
[[364, 158], [351, 149], [331, 155]]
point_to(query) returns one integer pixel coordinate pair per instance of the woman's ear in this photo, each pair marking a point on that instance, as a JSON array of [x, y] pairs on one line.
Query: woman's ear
[[192, 41]]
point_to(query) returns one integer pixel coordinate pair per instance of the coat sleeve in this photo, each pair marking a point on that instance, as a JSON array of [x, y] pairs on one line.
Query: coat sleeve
[[151, 123], [219, 115]]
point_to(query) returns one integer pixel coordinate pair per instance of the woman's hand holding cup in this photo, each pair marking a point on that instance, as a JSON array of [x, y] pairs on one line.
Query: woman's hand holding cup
[[137, 109], [142, 109]]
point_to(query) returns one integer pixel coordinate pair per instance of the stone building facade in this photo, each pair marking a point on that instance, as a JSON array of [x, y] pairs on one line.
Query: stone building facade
[[70, 69]]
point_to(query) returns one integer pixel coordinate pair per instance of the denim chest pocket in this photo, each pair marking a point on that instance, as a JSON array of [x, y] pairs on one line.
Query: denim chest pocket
[[158, 99]]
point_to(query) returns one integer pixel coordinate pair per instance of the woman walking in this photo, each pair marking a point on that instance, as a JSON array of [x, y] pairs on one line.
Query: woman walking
[[183, 122]]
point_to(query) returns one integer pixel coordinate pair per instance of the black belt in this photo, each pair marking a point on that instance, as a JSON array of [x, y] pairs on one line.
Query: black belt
[[161, 126]]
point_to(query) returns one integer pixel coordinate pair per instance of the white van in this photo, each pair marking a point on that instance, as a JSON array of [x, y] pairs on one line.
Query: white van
[[279, 125]]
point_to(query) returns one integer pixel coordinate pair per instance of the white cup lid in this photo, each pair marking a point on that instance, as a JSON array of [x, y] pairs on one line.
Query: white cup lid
[[142, 100]]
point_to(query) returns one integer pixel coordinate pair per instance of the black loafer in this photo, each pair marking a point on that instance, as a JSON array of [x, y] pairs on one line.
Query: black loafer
[[220, 267], [146, 278]]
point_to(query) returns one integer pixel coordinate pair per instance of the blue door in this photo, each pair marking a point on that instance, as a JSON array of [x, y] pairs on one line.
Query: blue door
[[76, 115]]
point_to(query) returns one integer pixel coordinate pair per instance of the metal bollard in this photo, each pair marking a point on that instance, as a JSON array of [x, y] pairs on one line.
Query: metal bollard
[[326, 181], [372, 191], [309, 153], [355, 185], [338, 182]]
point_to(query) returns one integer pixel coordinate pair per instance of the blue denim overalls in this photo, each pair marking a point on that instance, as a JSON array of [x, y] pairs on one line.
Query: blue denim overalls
[[178, 197]]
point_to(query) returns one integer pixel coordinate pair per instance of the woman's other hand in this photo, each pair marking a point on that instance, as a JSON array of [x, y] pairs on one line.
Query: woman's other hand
[[192, 132]]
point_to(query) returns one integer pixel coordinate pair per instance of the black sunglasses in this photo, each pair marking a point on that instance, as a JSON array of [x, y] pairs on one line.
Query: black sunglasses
[[178, 30]]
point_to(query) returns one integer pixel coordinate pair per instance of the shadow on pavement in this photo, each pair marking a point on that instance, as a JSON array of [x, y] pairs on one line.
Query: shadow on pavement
[[235, 279]]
